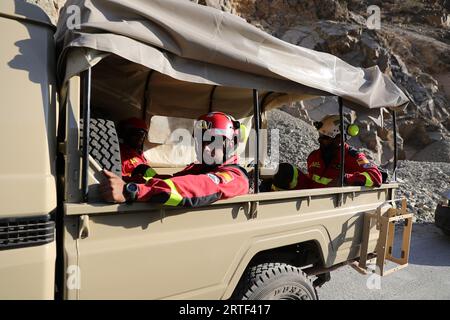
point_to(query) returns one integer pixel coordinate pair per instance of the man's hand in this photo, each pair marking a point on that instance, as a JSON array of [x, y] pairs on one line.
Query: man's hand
[[140, 170], [111, 188], [346, 177]]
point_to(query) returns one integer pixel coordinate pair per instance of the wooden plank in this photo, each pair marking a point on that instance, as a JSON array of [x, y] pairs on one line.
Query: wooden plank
[[390, 240], [401, 217], [404, 206], [365, 241], [356, 266], [382, 242], [390, 271], [406, 241], [391, 213], [395, 260]]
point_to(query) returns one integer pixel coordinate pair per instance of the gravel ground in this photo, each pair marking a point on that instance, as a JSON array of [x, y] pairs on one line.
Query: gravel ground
[[420, 182], [425, 278]]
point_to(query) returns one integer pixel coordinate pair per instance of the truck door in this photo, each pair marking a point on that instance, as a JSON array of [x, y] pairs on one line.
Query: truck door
[[28, 146]]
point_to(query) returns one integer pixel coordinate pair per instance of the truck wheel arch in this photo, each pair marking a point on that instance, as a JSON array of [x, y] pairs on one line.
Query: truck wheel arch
[[278, 281], [262, 248]]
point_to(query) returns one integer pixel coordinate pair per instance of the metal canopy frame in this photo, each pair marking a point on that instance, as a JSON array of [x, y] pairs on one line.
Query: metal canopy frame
[[257, 123], [342, 147], [394, 125], [86, 78]]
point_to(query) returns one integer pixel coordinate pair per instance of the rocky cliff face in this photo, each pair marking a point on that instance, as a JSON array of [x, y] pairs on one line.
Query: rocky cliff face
[[412, 46]]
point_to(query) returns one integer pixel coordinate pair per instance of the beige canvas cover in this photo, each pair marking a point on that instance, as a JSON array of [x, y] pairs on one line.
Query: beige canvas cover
[[168, 56]]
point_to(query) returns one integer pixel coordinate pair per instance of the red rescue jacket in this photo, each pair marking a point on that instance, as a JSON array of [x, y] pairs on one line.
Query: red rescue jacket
[[131, 159], [359, 171], [196, 185]]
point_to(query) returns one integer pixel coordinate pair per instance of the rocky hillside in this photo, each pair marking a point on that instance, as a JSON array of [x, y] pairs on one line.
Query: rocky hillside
[[412, 46]]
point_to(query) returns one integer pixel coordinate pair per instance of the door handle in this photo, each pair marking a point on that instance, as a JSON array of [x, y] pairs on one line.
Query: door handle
[[84, 230], [254, 209]]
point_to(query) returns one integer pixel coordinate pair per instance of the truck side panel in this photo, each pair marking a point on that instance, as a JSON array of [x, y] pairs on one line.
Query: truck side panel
[[28, 146], [28, 273], [201, 253]]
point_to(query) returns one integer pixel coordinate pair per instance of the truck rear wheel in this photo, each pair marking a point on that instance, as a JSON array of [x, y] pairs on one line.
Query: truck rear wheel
[[104, 144], [277, 281]]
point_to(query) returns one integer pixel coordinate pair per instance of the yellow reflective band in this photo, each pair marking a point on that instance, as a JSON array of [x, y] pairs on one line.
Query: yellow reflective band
[[321, 180], [294, 180], [369, 182], [175, 198], [243, 133], [275, 188], [149, 173]]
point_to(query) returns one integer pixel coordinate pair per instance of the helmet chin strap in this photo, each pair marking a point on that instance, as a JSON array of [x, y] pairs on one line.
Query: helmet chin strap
[[230, 150]]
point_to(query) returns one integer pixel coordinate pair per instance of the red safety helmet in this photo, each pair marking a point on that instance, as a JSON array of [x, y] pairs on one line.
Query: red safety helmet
[[215, 124], [219, 124]]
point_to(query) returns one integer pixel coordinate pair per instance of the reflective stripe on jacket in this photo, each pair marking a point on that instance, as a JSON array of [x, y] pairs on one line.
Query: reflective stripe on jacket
[[196, 185], [359, 171]]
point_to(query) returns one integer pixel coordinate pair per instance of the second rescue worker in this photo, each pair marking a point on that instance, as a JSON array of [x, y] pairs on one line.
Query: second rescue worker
[[324, 164], [216, 176], [135, 167]]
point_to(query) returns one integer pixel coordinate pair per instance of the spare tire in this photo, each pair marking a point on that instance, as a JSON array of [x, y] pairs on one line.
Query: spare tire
[[104, 144]]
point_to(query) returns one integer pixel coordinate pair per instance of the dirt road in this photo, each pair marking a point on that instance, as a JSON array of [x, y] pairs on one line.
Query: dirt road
[[426, 277]]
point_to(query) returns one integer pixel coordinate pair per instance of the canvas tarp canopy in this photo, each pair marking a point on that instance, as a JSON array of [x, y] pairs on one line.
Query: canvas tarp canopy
[[178, 58]]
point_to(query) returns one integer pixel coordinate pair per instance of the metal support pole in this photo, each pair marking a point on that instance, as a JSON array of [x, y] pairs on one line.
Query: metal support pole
[[86, 105], [342, 149], [146, 93], [211, 97], [394, 122], [256, 118]]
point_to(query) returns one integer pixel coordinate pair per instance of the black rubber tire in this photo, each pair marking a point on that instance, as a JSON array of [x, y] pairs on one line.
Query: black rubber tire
[[104, 144], [276, 281]]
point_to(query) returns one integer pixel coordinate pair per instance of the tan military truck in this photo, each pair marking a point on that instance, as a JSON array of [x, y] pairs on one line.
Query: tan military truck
[[168, 62]]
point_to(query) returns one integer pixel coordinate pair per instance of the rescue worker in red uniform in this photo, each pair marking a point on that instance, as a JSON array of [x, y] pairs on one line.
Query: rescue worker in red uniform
[[135, 167], [216, 175], [324, 164]]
